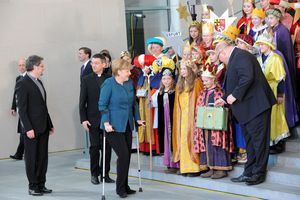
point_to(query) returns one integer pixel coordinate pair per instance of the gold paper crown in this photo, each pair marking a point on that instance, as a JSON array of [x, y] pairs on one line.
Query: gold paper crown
[[124, 53], [196, 24], [249, 1], [232, 32], [209, 70], [207, 28], [258, 13]]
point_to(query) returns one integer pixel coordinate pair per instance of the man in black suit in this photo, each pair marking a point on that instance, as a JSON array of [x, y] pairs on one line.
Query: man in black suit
[[20, 150], [250, 98], [36, 122], [84, 55], [90, 117]]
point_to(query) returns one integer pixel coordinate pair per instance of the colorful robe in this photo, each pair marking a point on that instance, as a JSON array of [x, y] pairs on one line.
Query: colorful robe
[[245, 25], [213, 146], [183, 129], [274, 72]]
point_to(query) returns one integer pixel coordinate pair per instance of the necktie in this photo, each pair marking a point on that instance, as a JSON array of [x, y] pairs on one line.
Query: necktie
[[81, 70]]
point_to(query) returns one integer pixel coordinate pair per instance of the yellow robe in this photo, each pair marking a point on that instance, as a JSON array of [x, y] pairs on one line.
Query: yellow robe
[[183, 129], [274, 72]]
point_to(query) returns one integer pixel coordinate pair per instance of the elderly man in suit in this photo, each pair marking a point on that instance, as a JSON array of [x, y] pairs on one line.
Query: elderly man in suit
[[20, 150], [90, 117], [32, 104], [250, 98]]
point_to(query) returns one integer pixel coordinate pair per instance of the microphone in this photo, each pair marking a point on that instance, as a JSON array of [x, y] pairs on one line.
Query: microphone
[[139, 15]]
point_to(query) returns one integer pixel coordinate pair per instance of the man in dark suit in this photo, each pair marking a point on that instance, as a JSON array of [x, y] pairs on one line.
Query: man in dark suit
[[250, 98], [20, 150], [90, 117], [84, 56], [36, 122]]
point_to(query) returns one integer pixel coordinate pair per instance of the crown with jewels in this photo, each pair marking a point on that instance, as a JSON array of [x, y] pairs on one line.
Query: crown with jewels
[[209, 70]]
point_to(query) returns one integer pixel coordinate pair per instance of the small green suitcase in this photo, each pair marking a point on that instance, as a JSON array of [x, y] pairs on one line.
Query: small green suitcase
[[212, 118]]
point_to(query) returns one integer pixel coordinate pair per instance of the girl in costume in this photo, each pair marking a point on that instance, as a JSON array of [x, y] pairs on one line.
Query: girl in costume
[[195, 34], [187, 89], [244, 23], [165, 99], [257, 18], [284, 45], [199, 58], [213, 146], [272, 66]]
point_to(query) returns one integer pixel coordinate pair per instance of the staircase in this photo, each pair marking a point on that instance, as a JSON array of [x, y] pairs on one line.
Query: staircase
[[283, 178]]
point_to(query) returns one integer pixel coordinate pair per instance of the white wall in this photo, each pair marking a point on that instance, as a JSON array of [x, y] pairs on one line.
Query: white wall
[[54, 29]]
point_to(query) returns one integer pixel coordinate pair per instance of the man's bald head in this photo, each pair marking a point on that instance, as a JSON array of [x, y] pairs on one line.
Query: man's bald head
[[223, 49], [22, 65]]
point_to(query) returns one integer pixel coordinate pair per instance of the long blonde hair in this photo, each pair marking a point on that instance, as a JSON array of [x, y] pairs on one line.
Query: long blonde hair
[[187, 81]]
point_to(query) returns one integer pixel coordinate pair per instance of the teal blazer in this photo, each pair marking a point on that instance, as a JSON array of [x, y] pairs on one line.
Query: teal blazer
[[117, 104]]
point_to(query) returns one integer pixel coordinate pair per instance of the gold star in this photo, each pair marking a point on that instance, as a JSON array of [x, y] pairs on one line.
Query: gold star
[[183, 13]]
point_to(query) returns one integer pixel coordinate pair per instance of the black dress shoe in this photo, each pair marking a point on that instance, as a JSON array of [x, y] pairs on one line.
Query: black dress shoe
[[123, 195], [241, 178], [256, 179], [95, 180], [15, 157], [130, 191], [36, 192], [46, 190]]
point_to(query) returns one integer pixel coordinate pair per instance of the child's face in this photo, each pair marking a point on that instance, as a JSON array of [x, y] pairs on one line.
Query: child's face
[[183, 71], [256, 21], [272, 20], [167, 81], [208, 82], [206, 15], [156, 49], [207, 38], [264, 4], [242, 45], [194, 33], [264, 48], [247, 8], [195, 55], [186, 55], [213, 57]]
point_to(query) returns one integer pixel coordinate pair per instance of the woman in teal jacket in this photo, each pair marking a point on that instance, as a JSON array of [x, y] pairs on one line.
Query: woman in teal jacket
[[119, 109]]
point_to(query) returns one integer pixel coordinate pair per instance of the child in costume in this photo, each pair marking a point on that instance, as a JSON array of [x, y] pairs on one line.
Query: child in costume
[[272, 67], [244, 23], [187, 89], [257, 18], [214, 146], [165, 99]]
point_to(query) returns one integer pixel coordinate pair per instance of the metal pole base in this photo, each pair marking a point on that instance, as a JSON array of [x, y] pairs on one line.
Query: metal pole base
[[140, 189], [103, 197]]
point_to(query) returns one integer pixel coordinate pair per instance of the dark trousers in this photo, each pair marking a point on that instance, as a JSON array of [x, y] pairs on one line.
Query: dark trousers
[[96, 145], [257, 138], [121, 144], [20, 150], [36, 159]]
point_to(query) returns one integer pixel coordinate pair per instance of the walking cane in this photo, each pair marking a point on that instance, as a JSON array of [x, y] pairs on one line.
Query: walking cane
[[103, 165], [139, 165]]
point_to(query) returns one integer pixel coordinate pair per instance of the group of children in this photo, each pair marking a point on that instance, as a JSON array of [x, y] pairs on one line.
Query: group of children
[[170, 91]]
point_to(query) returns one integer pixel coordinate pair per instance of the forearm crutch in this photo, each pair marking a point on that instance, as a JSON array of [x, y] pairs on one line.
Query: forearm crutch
[[138, 160], [103, 165]]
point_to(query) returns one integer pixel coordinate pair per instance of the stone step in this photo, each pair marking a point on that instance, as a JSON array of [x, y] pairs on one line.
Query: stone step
[[282, 182], [292, 145], [267, 190], [288, 160]]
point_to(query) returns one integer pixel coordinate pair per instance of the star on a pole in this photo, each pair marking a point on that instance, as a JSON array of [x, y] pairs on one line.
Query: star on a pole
[[183, 13]]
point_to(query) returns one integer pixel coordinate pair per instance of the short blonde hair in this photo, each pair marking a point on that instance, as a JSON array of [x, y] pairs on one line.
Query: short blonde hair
[[120, 64]]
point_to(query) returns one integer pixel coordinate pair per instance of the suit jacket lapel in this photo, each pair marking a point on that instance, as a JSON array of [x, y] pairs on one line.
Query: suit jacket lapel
[[37, 88]]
